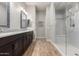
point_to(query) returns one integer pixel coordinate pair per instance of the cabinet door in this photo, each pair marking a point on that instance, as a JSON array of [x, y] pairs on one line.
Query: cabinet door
[[18, 49], [6, 50], [25, 42], [29, 38], [19, 45]]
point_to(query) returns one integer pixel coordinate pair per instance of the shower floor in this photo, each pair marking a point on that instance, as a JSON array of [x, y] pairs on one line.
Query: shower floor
[[69, 50], [72, 51], [66, 48]]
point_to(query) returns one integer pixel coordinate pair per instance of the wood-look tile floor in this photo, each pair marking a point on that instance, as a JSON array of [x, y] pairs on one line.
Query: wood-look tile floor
[[41, 47]]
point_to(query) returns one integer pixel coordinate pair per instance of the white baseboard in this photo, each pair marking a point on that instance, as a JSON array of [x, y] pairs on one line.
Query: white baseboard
[[41, 38]]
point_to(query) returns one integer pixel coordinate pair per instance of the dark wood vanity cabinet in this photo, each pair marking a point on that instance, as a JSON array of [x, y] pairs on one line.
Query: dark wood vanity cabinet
[[6, 50], [15, 45], [18, 47]]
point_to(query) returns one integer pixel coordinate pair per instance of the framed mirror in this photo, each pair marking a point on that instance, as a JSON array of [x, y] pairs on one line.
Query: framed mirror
[[4, 14], [23, 21]]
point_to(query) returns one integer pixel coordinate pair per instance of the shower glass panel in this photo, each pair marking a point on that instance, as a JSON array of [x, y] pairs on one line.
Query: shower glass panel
[[60, 30], [72, 30]]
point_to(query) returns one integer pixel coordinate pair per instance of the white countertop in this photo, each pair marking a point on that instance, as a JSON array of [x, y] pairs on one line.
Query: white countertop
[[9, 33]]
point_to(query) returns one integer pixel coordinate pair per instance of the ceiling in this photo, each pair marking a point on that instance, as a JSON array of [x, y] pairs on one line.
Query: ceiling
[[58, 5], [39, 5], [63, 5]]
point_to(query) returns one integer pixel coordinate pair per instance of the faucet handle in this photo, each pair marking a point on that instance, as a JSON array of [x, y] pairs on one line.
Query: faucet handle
[[1, 29]]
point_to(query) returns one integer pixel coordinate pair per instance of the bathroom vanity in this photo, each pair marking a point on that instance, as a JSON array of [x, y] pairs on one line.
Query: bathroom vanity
[[15, 43]]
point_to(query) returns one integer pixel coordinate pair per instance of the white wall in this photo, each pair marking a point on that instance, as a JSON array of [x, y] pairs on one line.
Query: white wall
[[14, 16], [50, 22], [15, 11], [31, 13], [40, 24]]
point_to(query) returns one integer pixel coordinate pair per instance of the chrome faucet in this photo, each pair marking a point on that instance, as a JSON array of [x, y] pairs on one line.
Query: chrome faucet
[[1, 29]]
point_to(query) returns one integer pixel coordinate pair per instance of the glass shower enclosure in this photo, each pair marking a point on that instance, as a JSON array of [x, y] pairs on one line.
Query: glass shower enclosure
[[67, 29]]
